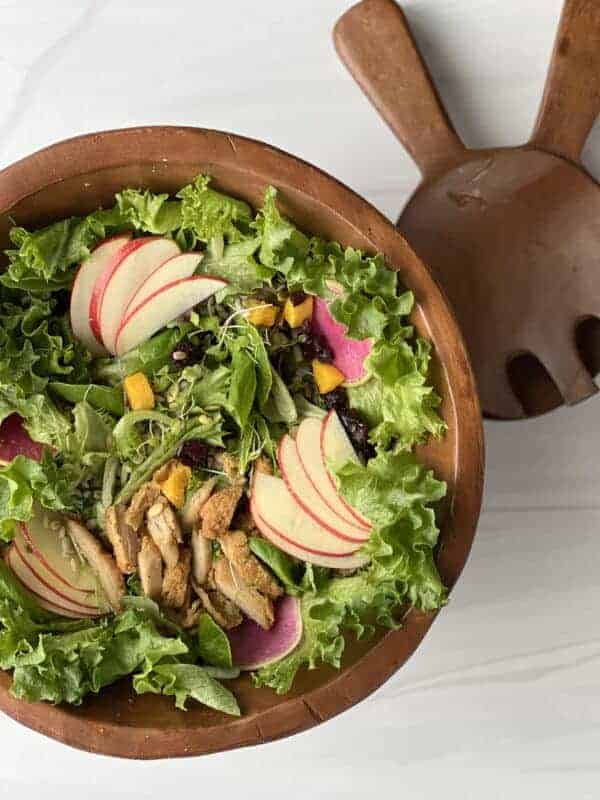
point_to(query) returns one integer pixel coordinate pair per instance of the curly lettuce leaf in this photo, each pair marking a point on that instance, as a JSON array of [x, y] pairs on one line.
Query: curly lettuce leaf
[[235, 262], [44, 260], [393, 490], [24, 482], [209, 214], [398, 402], [145, 211], [63, 661]]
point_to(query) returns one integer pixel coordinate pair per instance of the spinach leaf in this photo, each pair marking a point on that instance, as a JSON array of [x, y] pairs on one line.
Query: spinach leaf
[[213, 644]]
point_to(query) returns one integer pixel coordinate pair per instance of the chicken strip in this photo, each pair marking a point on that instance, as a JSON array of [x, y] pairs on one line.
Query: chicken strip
[[123, 539], [176, 581], [235, 546], [164, 529], [229, 463], [191, 510], [145, 496], [188, 617], [150, 568], [222, 610], [249, 600], [201, 556], [263, 464], [101, 562], [219, 509]]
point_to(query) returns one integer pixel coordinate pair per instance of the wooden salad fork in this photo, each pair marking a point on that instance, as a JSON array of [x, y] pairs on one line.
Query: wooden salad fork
[[511, 233]]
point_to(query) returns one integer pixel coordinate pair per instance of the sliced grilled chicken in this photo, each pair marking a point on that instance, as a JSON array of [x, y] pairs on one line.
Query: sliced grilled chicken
[[101, 562], [176, 580], [164, 529], [150, 568], [235, 546], [219, 509], [249, 600], [123, 538], [145, 496], [201, 556]]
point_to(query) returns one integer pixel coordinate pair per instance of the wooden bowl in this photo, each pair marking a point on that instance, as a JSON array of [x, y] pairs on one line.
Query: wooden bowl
[[77, 176]]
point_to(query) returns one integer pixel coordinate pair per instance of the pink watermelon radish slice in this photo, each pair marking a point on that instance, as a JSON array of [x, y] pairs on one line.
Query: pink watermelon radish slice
[[348, 354], [253, 647], [15, 441]]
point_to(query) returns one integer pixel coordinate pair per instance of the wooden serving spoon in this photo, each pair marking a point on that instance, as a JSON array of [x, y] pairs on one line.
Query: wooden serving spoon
[[512, 234]]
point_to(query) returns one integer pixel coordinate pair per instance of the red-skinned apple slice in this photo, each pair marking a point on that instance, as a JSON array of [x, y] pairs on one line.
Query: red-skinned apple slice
[[45, 547], [275, 505], [83, 602], [336, 449], [174, 269], [83, 286], [353, 561], [308, 497], [121, 279], [308, 442], [162, 307], [41, 590]]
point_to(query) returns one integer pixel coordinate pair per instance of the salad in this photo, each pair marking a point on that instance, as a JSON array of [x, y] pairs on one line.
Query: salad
[[209, 420]]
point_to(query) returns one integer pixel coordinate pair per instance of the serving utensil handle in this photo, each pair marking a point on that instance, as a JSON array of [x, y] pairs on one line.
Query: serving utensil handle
[[571, 100], [374, 42]]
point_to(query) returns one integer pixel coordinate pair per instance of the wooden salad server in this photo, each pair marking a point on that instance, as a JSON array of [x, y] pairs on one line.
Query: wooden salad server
[[511, 233]]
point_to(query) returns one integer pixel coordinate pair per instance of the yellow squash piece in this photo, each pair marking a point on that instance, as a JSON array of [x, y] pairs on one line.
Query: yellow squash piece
[[327, 377], [174, 486], [264, 316], [296, 315], [139, 392]]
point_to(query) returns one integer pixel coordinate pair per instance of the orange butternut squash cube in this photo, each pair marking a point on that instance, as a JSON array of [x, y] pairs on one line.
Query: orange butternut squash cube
[[296, 315], [263, 316], [327, 377], [139, 392], [174, 486]]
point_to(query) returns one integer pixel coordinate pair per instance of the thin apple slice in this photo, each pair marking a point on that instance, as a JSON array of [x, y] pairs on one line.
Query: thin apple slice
[[83, 286], [336, 450], [276, 506], [162, 307], [308, 497], [84, 602], [180, 266], [120, 280], [45, 545], [308, 442], [353, 561], [42, 591]]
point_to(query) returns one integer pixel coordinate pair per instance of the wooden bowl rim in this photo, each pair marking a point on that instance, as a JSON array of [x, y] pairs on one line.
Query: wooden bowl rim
[[94, 152]]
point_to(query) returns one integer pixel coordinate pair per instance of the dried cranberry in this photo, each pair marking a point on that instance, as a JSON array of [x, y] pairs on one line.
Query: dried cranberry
[[357, 430], [314, 346], [185, 354], [297, 298], [194, 453], [336, 399]]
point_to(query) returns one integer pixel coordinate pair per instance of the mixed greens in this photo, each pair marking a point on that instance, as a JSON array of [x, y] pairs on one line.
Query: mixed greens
[[221, 385]]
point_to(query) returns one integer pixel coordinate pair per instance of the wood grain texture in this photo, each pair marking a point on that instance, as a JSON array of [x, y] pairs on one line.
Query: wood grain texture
[[82, 174], [511, 233], [571, 100], [530, 585]]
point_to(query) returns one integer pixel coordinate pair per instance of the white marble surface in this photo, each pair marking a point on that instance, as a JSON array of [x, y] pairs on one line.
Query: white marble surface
[[503, 698]]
